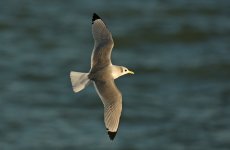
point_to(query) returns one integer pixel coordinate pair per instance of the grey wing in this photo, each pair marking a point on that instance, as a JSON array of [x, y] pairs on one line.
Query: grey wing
[[112, 100], [103, 42]]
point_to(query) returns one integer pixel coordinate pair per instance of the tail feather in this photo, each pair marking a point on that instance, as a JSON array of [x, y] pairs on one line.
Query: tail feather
[[79, 80]]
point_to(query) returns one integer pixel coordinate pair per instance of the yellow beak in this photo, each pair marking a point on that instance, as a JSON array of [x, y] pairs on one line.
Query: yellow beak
[[130, 72]]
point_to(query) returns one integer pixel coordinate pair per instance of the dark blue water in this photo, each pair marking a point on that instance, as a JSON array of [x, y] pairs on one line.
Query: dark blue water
[[178, 99]]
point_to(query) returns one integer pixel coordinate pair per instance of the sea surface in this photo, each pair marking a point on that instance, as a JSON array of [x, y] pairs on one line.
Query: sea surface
[[178, 99]]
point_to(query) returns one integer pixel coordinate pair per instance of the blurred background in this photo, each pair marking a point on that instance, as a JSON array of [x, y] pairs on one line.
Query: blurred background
[[178, 99]]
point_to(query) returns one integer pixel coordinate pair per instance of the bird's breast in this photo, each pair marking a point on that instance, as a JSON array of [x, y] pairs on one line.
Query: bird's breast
[[100, 73]]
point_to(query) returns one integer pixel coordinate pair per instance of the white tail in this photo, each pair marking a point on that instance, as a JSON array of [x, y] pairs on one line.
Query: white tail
[[79, 80]]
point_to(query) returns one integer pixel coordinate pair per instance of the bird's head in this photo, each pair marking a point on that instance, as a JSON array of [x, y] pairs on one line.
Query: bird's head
[[118, 71], [125, 70]]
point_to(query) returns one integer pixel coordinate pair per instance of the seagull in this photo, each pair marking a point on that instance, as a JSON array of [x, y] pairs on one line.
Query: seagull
[[102, 74]]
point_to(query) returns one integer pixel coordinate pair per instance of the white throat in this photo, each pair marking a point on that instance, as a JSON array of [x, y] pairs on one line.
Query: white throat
[[116, 71]]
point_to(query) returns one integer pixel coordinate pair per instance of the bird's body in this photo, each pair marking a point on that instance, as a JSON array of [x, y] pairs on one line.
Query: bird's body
[[109, 71], [102, 74]]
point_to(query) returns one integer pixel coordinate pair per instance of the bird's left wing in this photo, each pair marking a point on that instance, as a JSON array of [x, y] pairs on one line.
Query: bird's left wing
[[103, 42]]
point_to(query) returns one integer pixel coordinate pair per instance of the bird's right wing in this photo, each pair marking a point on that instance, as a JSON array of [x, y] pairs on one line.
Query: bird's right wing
[[112, 100], [103, 42]]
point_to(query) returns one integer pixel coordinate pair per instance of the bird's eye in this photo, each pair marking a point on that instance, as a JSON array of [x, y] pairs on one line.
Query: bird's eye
[[125, 70]]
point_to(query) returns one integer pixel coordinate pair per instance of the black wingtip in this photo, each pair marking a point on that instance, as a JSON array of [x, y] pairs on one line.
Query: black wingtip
[[95, 17], [112, 135]]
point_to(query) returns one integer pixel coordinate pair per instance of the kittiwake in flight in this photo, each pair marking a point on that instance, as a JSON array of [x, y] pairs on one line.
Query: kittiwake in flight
[[102, 74]]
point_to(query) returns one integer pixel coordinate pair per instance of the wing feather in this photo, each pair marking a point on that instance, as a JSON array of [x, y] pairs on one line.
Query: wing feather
[[112, 100], [103, 42]]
